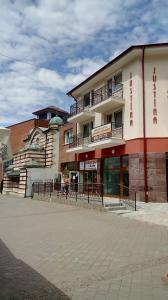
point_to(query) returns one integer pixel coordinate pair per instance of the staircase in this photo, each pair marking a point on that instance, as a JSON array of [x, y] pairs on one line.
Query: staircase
[[115, 205]]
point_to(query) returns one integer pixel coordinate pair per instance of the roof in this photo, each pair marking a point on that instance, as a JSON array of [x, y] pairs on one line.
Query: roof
[[52, 108], [115, 60]]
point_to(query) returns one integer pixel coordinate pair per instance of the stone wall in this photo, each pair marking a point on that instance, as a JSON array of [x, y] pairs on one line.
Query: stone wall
[[156, 168]]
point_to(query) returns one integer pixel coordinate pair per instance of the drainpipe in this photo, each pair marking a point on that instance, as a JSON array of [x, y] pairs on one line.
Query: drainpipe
[[144, 129]]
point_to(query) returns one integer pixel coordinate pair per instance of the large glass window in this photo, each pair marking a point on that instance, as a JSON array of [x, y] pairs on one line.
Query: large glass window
[[86, 100], [118, 119], [117, 79], [68, 136], [111, 162], [87, 129]]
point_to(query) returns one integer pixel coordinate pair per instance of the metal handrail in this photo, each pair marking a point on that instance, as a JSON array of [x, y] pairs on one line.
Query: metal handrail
[[97, 96], [135, 195]]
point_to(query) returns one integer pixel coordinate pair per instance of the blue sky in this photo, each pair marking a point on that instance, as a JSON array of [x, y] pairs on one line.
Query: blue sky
[[49, 46]]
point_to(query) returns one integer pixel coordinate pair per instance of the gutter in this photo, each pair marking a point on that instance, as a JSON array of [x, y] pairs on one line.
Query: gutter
[[144, 128]]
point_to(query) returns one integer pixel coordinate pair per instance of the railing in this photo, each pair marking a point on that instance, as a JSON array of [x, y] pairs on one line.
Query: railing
[[98, 96], [104, 93], [79, 140], [129, 198], [90, 193], [113, 130]]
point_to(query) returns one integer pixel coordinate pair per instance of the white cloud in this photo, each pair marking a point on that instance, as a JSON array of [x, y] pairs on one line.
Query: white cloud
[[66, 41]]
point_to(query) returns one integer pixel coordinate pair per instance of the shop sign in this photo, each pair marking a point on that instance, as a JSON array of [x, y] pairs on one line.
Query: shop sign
[[101, 131], [90, 165], [81, 165]]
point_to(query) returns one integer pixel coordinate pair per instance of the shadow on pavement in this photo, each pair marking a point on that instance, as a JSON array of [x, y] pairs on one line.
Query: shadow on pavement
[[18, 281]]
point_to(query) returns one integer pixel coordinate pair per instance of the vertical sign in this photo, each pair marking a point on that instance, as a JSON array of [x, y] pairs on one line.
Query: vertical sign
[[154, 97], [131, 113]]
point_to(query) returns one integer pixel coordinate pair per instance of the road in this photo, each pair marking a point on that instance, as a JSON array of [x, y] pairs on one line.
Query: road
[[55, 251]]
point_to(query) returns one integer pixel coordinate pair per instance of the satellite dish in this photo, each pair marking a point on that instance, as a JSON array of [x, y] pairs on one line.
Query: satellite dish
[[5, 145]]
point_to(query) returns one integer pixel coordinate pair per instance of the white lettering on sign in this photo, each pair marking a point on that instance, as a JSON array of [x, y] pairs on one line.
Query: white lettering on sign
[[91, 165]]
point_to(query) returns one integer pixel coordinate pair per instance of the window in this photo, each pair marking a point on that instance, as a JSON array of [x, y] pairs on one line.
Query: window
[[68, 136], [118, 79], [86, 100], [87, 129], [118, 119], [109, 118]]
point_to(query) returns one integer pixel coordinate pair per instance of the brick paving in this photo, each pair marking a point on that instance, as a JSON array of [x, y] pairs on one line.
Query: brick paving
[[56, 251]]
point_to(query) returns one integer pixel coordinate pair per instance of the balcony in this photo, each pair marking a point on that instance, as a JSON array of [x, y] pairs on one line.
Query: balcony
[[79, 112], [104, 136], [79, 144], [105, 100]]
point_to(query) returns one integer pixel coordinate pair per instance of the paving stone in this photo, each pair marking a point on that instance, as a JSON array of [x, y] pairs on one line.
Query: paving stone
[[55, 251]]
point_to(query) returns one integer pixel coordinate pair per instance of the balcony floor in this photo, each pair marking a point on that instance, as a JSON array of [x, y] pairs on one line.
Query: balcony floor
[[81, 117], [106, 143], [107, 105]]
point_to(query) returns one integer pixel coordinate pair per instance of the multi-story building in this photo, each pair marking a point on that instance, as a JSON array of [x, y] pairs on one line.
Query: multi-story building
[[67, 165], [122, 125]]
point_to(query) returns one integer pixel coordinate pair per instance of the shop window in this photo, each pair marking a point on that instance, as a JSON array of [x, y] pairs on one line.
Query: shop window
[[112, 162], [87, 128], [68, 136], [86, 100]]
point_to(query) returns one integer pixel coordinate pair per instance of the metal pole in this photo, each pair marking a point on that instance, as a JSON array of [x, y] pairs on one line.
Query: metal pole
[[102, 193], [88, 193], [135, 202], [76, 191]]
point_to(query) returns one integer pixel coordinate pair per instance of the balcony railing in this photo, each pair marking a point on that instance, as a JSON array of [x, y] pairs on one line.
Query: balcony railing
[[97, 96], [103, 132]]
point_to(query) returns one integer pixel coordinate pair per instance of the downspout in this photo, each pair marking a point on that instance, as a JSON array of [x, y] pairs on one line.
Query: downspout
[[144, 128]]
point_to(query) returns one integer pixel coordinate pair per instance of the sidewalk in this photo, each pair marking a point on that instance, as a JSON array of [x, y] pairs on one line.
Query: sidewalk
[[156, 213]]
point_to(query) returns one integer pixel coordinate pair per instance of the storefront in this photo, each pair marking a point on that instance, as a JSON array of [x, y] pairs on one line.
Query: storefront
[[116, 176]]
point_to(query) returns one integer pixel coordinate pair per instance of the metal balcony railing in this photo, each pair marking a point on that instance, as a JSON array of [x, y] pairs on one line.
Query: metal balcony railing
[[98, 96], [103, 132]]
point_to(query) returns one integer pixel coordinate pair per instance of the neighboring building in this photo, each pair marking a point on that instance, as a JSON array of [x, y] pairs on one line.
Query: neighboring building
[[122, 126], [49, 112], [37, 161], [5, 149], [20, 130], [67, 160]]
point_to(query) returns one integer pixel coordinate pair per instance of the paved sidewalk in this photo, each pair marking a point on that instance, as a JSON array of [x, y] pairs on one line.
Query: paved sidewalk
[[55, 251], [156, 213]]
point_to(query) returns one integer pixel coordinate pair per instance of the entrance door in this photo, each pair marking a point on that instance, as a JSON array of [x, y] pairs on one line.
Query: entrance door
[[112, 182], [90, 180], [74, 180], [125, 179]]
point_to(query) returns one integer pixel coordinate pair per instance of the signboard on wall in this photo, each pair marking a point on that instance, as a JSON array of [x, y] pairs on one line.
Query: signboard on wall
[[90, 165], [103, 130], [81, 165]]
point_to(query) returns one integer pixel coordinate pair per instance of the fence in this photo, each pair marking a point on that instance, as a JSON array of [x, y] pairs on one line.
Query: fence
[[90, 193]]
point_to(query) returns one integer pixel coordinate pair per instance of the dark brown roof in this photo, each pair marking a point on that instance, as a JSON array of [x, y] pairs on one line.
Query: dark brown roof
[[113, 61], [52, 109]]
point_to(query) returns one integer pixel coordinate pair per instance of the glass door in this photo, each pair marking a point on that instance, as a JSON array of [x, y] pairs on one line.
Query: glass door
[[112, 182]]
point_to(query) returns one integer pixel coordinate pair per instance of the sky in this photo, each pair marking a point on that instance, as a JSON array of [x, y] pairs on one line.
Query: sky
[[49, 46]]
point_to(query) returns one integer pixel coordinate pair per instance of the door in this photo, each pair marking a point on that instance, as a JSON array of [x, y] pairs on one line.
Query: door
[[74, 181], [112, 182]]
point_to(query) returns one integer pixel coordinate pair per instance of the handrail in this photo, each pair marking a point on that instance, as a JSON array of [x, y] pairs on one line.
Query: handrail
[[135, 195]]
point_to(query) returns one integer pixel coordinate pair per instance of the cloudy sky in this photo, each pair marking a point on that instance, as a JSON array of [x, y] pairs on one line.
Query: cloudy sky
[[49, 46]]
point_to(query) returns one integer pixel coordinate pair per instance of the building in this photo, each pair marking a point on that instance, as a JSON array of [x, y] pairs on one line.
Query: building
[[49, 112], [122, 125], [67, 161], [38, 160], [5, 149]]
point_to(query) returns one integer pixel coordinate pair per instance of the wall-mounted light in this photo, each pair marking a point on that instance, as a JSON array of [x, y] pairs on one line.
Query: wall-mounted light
[[113, 151], [86, 155]]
